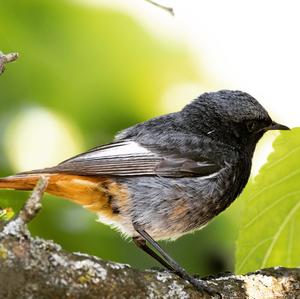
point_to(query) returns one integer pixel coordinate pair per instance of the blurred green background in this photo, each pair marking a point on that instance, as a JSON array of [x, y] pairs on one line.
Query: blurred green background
[[85, 73]]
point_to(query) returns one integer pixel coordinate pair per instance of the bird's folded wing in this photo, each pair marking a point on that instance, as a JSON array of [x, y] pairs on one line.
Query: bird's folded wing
[[128, 158]]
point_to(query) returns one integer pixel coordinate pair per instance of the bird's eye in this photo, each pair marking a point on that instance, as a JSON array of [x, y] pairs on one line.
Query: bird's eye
[[252, 126]]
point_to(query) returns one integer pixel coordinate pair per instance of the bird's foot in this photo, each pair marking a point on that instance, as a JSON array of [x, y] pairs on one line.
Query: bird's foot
[[201, 286]]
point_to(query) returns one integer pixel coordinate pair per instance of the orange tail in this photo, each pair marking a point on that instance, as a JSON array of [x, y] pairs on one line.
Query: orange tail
[[94, 193], [19, 182]]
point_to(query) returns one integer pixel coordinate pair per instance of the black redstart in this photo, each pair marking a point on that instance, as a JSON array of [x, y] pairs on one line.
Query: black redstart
[[167, 176]]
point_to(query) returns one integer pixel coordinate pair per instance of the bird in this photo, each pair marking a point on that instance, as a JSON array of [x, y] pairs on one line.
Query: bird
[[167, 176]]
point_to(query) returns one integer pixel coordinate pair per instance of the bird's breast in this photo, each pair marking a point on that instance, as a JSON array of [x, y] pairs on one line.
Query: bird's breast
[[169, 207]]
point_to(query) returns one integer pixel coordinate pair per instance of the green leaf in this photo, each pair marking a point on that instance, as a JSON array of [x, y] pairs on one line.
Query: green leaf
[[270, 229]]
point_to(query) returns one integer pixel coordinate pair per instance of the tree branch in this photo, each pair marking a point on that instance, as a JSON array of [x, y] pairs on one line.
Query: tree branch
[[7, 58], [35, 268], [33, 204]]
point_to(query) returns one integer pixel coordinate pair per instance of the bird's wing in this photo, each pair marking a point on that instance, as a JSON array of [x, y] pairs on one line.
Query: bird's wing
[[128, 158]]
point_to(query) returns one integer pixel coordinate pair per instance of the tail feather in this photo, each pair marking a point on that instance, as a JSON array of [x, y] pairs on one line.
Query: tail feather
[[19, 182], [91, 192]]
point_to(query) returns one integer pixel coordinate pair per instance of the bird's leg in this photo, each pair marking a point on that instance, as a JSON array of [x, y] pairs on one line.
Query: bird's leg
[[169, 262], [142, 244], [172, 264]]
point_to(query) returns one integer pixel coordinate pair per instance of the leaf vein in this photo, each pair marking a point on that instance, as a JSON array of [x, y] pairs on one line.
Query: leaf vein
[[290, 243], [274, 184], [283, 158], [279, 231], [270, 207], [251, 252]]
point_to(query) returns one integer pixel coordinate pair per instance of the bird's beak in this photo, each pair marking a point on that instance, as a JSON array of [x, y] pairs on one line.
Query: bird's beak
[[276, 126]]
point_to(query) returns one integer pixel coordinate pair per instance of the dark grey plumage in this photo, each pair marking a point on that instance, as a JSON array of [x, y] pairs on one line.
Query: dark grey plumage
[[180, 169], [222, 127]]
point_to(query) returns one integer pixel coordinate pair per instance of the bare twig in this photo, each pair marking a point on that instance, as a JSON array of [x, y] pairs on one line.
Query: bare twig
[[18, 226], [166, 8], [33, 204], [7, 58]]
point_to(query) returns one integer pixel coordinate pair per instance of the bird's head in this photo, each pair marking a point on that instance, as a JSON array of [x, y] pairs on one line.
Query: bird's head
[[233, 117]]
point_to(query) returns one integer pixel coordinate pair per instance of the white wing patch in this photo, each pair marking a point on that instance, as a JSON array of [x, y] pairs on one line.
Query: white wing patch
[[128, 148]]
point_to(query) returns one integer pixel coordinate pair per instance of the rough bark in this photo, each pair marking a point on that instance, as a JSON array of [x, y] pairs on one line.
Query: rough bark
[[35, 268]]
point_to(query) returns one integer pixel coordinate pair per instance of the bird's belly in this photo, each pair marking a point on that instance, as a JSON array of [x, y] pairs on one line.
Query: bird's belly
[[168, 208]]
